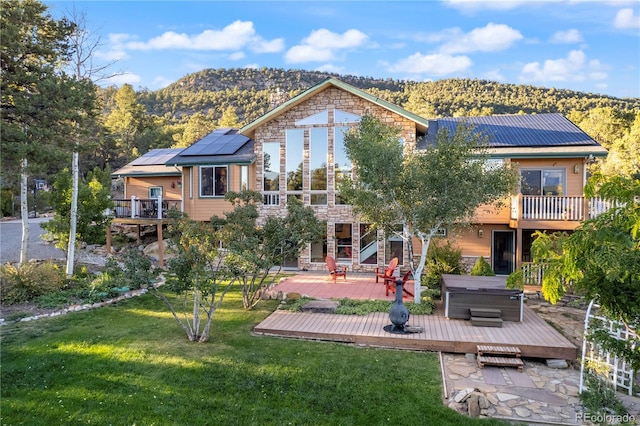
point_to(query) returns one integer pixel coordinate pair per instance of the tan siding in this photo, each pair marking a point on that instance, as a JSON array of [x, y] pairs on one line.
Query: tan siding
[[139, 187], [574, 180]]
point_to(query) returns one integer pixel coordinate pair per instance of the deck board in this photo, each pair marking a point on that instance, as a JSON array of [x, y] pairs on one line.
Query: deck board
[[533, 335]]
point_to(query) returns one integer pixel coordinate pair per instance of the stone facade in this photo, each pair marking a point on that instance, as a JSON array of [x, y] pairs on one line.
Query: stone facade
[[329, 101]]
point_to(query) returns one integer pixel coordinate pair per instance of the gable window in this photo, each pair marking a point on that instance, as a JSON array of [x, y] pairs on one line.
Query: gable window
[[294, 152], [155, 192], [213, 181], [318, 143], [342, 164], [542, 181]]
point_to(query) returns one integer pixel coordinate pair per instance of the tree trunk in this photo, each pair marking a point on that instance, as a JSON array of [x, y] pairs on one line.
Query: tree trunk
[[71, 250], [24, 210]]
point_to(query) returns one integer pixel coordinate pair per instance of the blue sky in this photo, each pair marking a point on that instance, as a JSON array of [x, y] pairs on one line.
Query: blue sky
[[589, 46]]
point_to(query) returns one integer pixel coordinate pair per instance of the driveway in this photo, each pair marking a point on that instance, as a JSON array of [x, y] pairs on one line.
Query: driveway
[[11, 236]]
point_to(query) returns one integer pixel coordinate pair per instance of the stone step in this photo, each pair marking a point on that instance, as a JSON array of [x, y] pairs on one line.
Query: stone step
[[500, 361]]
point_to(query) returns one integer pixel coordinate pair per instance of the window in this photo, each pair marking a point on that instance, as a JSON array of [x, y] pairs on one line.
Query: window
[[342, 164], [295, 148], [368, 245], [213, 181], [319, 249], [155, 192], [318, 151], [344, 241], [394, 245], [271, 173], [244, 178], [542, 181]]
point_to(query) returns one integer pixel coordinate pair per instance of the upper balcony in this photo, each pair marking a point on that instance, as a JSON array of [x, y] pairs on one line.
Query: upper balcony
[[555, 212]]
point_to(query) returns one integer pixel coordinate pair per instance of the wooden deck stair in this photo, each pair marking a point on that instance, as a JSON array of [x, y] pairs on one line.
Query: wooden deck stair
[[500, 356], [481, 317]]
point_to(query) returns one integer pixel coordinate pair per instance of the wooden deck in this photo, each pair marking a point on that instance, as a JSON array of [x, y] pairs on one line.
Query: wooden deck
[[534, 337]]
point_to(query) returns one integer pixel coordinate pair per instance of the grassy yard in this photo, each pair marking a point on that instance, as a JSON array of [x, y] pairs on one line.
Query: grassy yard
[[130, 364]]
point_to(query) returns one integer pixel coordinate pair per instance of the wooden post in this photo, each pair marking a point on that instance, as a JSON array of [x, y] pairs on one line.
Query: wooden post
[[160, 246], [109, 239]]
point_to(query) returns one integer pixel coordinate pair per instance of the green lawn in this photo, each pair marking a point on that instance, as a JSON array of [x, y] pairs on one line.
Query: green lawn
[[130, 364]]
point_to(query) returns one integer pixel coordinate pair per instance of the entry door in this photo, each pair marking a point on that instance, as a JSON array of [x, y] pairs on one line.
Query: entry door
[[503, 252]]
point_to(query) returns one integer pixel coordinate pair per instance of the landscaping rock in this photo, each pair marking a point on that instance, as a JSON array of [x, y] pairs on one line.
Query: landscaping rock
[[320, 306], [474, 405], [557, 363]]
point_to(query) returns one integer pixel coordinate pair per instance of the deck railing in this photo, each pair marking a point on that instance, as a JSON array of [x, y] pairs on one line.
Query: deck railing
[[536, 207], [532, 273], [144, 208]]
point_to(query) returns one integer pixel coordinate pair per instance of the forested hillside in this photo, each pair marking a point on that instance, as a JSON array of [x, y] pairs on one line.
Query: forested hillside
[[250, 92], [198, 103]]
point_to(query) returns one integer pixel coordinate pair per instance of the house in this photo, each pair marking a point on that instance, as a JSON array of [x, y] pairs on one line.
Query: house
[[296, 150], [551, 154]]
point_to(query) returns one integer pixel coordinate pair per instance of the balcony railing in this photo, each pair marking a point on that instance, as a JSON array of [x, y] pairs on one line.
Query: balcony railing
[[535, 207], [144, 209], [532, 273]]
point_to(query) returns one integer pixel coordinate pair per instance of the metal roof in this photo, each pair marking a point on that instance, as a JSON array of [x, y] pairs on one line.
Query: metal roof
[[222, 146], [533, 130]]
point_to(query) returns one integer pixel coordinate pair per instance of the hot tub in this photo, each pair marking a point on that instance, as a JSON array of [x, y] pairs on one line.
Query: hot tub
[[464, 292]]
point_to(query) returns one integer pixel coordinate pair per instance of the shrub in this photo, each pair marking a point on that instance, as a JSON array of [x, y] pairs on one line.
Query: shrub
[[441, 259], [482, 268], [29, 280]]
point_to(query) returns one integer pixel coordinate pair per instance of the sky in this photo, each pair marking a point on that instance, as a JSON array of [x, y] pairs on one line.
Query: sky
[[588, 46]]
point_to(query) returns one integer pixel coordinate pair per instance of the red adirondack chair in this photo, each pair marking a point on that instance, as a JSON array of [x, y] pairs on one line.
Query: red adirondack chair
[[390, 284], [388, 272], [334, 270]]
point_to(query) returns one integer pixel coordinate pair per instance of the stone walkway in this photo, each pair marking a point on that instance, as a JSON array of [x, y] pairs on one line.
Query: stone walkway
[[537, 394]]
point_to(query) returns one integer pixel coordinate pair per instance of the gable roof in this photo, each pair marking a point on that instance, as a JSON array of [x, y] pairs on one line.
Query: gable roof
[[533, 135], [421, 123], [151, 163], [222, 146]]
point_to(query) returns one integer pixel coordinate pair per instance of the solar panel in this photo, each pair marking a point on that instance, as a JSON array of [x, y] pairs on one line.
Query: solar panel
[[218, 142], [155, 157]]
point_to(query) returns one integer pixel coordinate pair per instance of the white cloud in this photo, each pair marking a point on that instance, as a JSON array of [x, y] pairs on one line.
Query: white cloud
[[236, 56], [494, 75], [160, 82], [252, 66], [493, 37], [566, 37], [322, 44], [626, 18], [305, 53], [235, 36], [330, 68], [264, 46], [572, 68], [436, 64]]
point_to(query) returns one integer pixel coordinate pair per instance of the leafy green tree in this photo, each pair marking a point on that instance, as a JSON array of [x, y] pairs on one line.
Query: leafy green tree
[[229, 119], [41, 104], [425, 190], [126, 123], [256, 253], [196, 128], [197, 275], [600, 260], [93, 200], [482, 268]]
